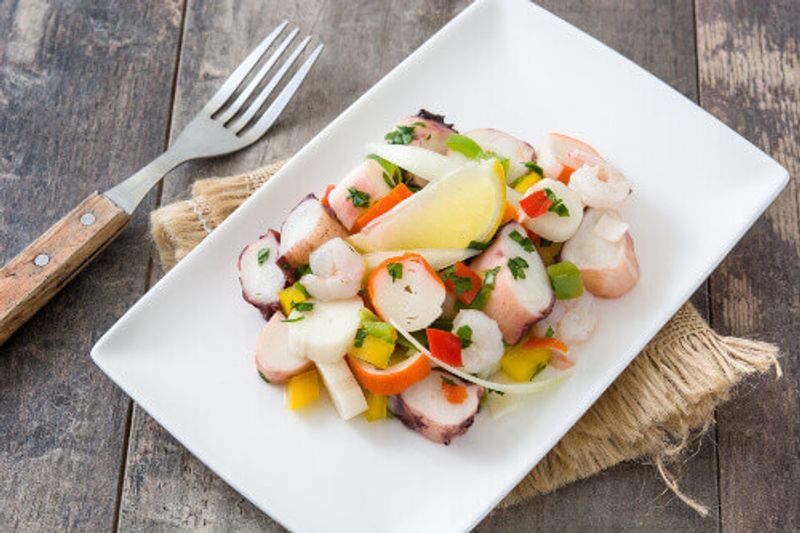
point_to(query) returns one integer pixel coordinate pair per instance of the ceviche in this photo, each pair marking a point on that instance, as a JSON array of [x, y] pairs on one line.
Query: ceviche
[[447, 271]]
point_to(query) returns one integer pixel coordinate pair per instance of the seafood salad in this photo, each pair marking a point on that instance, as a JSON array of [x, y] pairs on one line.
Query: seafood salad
[[446, 272]]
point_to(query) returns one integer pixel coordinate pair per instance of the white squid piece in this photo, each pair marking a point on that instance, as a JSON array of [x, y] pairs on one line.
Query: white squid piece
[[336, 271], [485, 349]]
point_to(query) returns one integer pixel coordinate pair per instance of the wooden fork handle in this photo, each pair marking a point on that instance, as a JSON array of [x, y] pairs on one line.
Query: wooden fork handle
[[34, 276]]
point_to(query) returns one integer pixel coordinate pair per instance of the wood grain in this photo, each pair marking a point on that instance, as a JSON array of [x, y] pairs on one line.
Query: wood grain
[[85, 91], [749, 65], [38, 272]]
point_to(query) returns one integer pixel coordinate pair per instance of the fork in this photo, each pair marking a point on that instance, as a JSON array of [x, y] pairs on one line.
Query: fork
[[229, 122]]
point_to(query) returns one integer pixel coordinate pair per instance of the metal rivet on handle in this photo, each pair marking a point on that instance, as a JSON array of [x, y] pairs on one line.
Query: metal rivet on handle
[[41, 260], [87, 219]]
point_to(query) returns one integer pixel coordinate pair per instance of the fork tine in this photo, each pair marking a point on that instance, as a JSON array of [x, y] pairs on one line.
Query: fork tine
[[253, 108], [245, 94], [277, 106], [235, 79]]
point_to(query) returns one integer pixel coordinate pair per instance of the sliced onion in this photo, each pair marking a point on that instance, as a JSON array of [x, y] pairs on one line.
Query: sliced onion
[[438, 258], [610, 228], [537, 385], [426, 164]]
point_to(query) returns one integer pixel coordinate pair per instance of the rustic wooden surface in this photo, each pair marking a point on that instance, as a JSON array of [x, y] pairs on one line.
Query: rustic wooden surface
[[82, 80]]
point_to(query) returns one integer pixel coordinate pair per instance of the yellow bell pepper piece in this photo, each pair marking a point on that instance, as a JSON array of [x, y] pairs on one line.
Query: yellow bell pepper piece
[[376, 407], [374, 351], [526, 182], [302, 390], [290, 295], [521, 363]]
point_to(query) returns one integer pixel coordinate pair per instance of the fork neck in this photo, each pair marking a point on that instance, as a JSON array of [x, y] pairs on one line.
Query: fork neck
[[129, 193]]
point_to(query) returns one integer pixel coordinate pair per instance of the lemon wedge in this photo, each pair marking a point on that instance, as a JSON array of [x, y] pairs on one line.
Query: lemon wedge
[[464, 206]]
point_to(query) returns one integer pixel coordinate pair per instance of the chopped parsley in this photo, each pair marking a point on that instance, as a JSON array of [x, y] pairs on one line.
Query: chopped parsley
[[533, 167], [517, 266], [302, 270], [395, 270], [557, 206], [539, 367], [461, 284], [492, 391], [478, 245], [544, 243], [263, 376], [392, 174], [550, 333], [303, 306], [361, 335], [448, 381], [263, 255], [402, 134], [489, 277], [472, 150], [525, 242], [359, 198], [465, 334], [296, 319]]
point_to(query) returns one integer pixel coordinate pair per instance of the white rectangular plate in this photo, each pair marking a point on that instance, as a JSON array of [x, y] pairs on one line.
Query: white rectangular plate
[[184, 352]]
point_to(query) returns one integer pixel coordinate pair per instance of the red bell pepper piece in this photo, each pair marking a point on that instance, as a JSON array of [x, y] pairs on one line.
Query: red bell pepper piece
[[444, 346], [460, 271], [535, 204]]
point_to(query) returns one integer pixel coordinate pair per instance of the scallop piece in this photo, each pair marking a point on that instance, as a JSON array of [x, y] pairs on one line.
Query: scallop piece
[[552, 225]]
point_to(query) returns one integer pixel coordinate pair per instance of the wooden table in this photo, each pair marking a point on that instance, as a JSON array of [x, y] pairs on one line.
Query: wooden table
[[91, 91]]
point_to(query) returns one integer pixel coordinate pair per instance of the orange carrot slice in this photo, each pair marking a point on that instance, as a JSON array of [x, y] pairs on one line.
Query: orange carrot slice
[[395, 196], [392, 380]]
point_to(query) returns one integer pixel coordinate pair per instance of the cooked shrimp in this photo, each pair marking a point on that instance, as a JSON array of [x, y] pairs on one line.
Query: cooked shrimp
[[485, 349], [573, 321], [600, 185], [336, 271]]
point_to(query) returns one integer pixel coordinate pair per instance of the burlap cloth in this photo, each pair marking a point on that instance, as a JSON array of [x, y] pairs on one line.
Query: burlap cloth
[[663, 400]]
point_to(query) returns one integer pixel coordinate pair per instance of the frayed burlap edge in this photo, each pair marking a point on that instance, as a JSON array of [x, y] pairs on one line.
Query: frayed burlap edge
[[662, 402]]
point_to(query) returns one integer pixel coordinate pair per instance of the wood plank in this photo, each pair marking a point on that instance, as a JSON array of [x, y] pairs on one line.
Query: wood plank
[[84, 101], [165, 487], [749, 65]]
